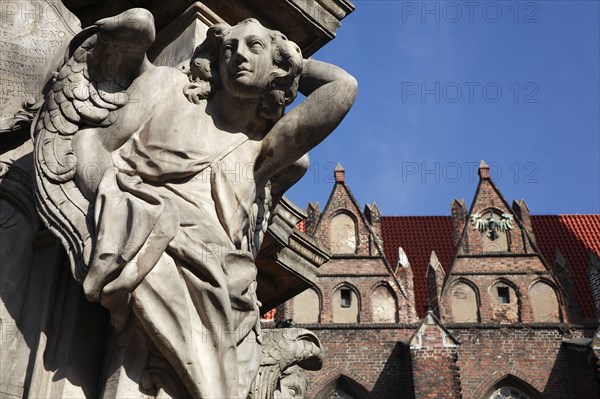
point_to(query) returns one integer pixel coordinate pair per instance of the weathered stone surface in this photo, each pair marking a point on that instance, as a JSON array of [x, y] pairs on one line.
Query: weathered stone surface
[[163, 205], [285, 354], [309, 23], [103, 99], [33, 36]]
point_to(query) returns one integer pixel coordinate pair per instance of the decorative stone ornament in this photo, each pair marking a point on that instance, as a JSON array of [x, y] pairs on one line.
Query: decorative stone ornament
[[133, 171], [285, 354], [491, 225]]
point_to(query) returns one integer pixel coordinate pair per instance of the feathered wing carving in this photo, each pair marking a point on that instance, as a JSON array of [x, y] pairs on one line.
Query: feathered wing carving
[[506, 222], [478, 222], [285, 350], [87, 91]]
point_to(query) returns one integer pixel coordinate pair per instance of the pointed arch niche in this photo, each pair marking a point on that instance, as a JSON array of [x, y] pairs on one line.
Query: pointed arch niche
[[511, 387], [544, 302], [342, 387], [342, 234], [505, 300], [384, 306], [307, 307], [464, 302]]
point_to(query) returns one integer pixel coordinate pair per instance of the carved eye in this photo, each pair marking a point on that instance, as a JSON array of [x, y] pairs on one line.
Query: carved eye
[[257, 45]]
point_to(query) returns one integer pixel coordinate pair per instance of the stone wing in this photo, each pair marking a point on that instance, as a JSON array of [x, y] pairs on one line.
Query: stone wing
[[86, 92], [506, 222]]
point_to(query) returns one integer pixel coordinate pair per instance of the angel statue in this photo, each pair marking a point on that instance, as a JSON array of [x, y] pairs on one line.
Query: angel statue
[[159, 181]]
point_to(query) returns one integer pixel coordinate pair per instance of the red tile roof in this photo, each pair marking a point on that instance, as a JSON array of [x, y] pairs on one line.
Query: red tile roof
[[418, 236], [575, 235]]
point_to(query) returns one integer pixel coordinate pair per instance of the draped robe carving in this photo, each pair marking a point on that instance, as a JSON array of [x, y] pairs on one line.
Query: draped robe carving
[[160, 183]]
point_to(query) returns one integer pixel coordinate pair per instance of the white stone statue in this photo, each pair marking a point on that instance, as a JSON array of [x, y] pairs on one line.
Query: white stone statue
[[159, 181]]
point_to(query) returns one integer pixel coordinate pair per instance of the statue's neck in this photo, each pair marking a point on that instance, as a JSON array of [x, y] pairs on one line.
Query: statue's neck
[[236, 114]]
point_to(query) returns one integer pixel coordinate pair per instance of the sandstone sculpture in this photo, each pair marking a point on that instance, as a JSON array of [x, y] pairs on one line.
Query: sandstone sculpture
[[286, 353], [160, 181]]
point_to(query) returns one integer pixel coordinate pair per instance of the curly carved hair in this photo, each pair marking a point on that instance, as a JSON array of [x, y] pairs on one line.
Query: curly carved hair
[[204, 70]]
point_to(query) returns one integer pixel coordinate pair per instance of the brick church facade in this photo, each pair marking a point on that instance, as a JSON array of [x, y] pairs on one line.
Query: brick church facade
[[487, 303]]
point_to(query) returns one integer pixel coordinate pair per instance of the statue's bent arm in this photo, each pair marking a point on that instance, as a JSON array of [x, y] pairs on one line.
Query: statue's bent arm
[[330, 93]]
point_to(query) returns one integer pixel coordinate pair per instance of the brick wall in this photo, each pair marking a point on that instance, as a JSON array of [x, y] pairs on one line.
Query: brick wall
[[594, 276], [436, 374], [534, 355], [436, 360], [364, 285], [341, 201], [488, 306], [372, 356], [378, 358]]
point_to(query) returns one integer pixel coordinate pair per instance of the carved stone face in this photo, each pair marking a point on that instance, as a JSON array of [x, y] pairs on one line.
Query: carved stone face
[[246, 60], [292, 384]]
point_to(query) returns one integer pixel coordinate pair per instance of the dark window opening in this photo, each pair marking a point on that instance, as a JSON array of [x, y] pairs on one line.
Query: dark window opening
[[346, 297], [503, 295]]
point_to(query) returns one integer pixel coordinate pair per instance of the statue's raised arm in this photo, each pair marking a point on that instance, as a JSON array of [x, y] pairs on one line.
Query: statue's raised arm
[[330, 93]]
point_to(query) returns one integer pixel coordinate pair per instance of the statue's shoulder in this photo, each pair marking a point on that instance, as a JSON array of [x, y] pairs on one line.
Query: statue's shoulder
[[159, 85], [163, 76]]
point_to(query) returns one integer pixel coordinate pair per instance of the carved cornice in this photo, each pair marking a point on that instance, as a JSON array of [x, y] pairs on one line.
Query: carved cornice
[[289, 259]]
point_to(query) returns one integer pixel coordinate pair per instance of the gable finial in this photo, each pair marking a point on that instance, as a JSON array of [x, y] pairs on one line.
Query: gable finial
[[484, 170], [339, 173]]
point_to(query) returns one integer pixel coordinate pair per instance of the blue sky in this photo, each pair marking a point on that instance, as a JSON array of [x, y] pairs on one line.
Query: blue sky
[[443, 85]]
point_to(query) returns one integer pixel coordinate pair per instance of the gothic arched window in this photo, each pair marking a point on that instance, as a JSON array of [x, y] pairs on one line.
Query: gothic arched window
[[340, 394], [346, 305], [508, 393]]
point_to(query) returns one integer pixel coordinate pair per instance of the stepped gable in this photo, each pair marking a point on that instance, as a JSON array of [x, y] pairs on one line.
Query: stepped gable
[[418, 236], [575, 236], [341, 201]]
